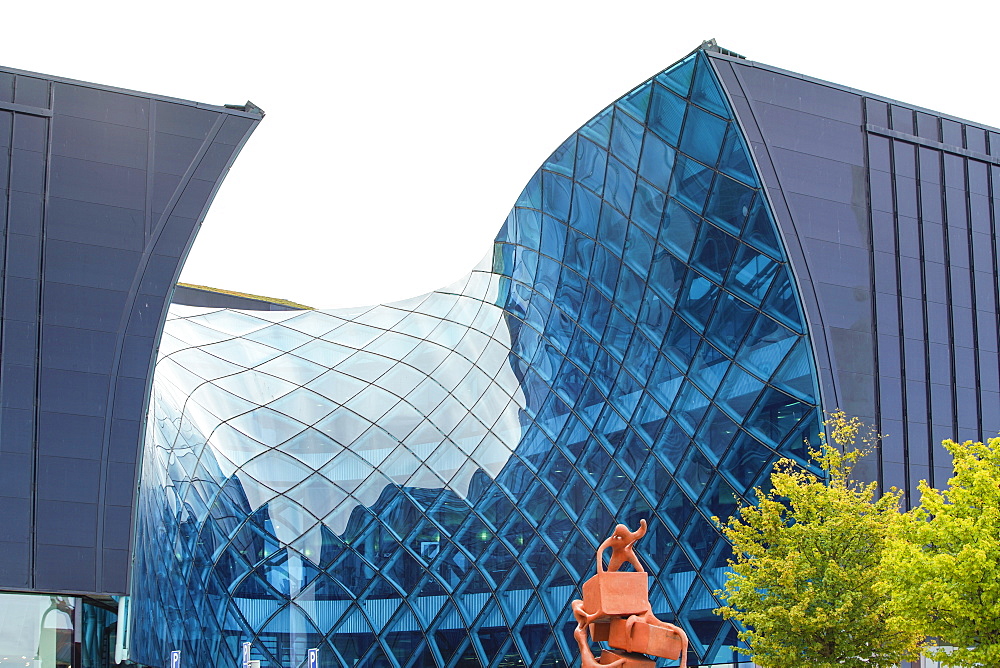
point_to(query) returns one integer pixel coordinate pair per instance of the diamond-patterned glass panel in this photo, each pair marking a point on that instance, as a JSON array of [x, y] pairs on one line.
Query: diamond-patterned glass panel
[[424, 483]]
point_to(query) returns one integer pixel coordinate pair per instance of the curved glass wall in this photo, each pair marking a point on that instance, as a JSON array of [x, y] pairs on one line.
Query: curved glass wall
[[424, 483]]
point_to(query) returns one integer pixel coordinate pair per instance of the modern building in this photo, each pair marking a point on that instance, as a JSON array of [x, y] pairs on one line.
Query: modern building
[[679, 292]]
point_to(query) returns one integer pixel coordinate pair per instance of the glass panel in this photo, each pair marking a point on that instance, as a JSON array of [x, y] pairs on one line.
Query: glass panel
[[666, 114], [703, 135]]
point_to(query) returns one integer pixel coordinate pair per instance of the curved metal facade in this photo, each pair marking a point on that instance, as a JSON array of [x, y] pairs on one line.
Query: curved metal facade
[[889, 214], [101, 194], [424, 483]]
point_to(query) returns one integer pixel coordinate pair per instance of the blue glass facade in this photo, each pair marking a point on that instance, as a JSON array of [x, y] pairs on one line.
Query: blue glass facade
[[424, 483]]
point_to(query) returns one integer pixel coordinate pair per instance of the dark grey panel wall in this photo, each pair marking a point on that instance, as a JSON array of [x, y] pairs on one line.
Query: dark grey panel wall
[[889, 216], [101, 194]]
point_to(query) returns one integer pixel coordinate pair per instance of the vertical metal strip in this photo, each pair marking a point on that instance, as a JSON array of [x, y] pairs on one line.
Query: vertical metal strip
[[150, 165], [3, 330], [978, 426], [872, 272], [38, 333]]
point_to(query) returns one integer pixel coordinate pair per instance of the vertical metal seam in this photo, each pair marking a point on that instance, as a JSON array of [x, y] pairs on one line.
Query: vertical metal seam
[[872, 284], [898, 266], [38, 332], [992, 201], [150, 165], [3, 312], [925, 317], [978, 426]]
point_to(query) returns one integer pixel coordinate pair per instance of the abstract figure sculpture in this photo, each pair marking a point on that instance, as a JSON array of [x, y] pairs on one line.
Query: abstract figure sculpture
[[616, 609]]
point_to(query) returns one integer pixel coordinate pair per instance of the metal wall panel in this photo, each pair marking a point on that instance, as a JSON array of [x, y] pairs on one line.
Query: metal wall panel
[[101, 192]]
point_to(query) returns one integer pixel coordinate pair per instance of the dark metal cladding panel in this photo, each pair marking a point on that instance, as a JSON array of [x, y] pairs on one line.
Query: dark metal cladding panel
[[101, 194], [887, 212]]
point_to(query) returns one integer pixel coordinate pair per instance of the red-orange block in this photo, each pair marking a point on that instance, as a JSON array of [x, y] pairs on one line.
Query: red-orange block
[[646, 638], [632, 660], [600, 631], [617, 593]]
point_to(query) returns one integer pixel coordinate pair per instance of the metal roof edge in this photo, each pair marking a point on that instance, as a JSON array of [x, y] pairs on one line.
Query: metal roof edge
[[249, 110], [847, 89]]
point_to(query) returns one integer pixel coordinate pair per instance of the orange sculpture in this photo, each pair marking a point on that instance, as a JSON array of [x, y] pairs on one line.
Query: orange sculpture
[[615, 608]]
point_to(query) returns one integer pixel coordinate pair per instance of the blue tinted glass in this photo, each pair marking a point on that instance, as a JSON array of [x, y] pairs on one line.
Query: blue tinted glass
[[729, 204], [553, 237], [586, 210], [714, 437], [680, 343], [760, 230], [579, 252], [730, 323], [612, 229], [738, 393], [666, 114], [556, 195], [637, 102], [680, 225], [657, 161], [647, 207], [561, 160], [783, 302], [708, 368], [678, 78], [531, 196], [690, 182], [689, 407], [713, 252], [666, 276], [619, 185], [796, 376], [751, 273], [598, 129], [697, 299], [528, 228], [629, 294], [735, 159], [765, 347], [705, 91], [639, 253], [774, 416], [703, 136], [591, 162], [626, 140]]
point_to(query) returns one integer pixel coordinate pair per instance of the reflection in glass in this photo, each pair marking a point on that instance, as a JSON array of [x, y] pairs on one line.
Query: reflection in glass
[[411, 484]]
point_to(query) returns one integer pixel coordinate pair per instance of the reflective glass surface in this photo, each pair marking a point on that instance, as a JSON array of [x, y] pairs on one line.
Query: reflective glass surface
[[424, 483], [54, 631]]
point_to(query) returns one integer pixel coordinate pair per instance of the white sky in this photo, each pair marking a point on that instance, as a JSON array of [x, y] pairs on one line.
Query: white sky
[[398, 134]]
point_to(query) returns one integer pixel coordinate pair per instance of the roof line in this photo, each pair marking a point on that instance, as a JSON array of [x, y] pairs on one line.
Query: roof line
[[848, 89], [249, 110]]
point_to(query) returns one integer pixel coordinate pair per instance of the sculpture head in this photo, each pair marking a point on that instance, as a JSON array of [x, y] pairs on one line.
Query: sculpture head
[[621, 536], [621, 533]]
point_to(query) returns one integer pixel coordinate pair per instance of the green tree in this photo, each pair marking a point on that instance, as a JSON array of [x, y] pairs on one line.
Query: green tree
[[805, 578], [945, 570]]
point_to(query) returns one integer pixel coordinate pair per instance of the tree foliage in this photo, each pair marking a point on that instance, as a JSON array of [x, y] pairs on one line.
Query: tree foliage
[[805, 578], [945, 569]]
